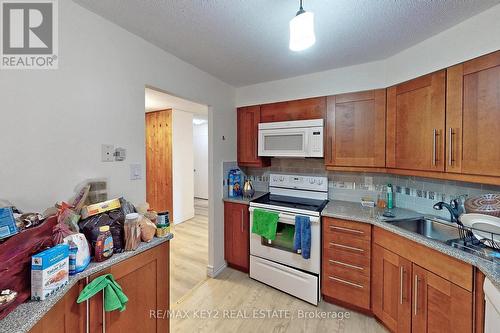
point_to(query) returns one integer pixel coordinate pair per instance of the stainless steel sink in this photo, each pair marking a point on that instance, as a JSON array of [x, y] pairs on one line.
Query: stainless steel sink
[[430, 228]]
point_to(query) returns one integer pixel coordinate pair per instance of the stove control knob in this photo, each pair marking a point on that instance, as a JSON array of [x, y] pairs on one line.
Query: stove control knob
[[312, 180], [320, 181], [282, 178], [275, 179]]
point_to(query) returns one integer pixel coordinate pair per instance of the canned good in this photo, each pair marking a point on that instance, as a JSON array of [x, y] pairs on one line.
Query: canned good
[[162, 230]]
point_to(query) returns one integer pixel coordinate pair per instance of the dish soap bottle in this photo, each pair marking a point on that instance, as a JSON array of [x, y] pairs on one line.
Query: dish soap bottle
[[390, 197]]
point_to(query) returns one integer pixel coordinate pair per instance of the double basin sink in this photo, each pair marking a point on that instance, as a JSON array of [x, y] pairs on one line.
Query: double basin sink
[[432, 228]]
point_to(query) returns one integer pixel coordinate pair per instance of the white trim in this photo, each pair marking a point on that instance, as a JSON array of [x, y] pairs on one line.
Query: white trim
[[292, 124], [211, 272]]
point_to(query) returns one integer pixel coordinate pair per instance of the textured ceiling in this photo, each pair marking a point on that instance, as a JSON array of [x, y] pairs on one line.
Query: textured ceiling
[[246, 41]]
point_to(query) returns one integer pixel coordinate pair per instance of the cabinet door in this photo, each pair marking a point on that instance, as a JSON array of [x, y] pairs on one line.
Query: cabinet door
[[247, 136], [439, 305], [145, 280], [356, 129], [236, 235], [302, 109], [415, 123], [65, 316], [473, 116], [391, 289]]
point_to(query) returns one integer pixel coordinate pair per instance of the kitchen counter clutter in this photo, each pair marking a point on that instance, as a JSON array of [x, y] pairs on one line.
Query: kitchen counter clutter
[[353, 211], [26, 315], [243, 200]]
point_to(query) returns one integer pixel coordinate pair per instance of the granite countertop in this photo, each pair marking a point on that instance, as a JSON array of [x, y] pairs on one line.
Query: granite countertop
[[242, 200], [26, 315], [353, 211]]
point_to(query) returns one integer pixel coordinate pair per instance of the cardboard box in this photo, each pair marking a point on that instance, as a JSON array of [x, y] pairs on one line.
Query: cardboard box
[[49, 271], [100, 207], [8, 225]]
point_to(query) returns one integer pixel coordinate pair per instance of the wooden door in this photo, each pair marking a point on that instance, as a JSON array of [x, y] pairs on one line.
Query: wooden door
[[301, 109], [439, 305], [416, 122], [236, 235], [356, 129], [247, 137], [159, 160], [391, 289], [473, 116], [65, 316], [145, 280]]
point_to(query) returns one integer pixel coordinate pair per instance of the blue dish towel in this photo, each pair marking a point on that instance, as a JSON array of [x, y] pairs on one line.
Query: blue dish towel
[[302, 239]]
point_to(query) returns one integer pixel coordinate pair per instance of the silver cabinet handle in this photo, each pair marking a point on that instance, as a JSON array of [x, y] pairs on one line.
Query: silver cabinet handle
[[347, 230], [242, 221], [87, 310], [450, 161], [415, 304], [331, 149], [346, 282], [347, 247], [335, 262], [434, 141], [401, 272], [103, 314]]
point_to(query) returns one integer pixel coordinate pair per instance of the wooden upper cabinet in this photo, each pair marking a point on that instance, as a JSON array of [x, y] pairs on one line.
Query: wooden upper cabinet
[[473, 116], [301, 109], [439, 305], [248, 131], [416, 122], [355, 129]]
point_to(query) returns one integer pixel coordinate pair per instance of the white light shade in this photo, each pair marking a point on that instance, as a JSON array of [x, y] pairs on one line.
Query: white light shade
[[302, 32]]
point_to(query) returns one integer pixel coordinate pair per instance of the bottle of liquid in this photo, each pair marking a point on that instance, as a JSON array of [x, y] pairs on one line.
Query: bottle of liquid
[[73, 250], [104, 244], [390, 195]]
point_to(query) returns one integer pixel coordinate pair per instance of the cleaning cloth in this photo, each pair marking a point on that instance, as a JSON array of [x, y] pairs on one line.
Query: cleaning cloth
[[114, 298], [302, 239], [265, 223]]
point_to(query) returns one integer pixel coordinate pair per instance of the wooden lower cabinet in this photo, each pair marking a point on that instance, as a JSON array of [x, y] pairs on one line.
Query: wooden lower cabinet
[[439, 305], [345, 277], [236, 236], [144, 278], [412, 289], [65, 316], [391, 289]]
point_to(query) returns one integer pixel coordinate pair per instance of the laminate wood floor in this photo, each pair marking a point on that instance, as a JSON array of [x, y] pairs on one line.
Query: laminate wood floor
[[188, 255], [233, 302]]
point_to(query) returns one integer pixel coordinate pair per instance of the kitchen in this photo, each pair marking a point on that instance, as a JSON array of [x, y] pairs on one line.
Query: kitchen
[[371, 157]]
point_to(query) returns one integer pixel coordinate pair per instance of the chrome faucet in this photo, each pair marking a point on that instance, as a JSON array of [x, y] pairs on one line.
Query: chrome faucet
[[453, 207]]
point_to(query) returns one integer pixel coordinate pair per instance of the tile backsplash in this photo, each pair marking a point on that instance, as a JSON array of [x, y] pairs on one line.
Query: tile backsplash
[[415, 193]]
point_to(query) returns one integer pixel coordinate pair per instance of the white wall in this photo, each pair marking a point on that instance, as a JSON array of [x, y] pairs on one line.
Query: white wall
[[53, 122], [476, 36], [200, 150], [182, 166]]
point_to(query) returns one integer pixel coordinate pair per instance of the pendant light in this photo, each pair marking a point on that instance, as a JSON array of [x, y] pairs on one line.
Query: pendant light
[[302, 30]]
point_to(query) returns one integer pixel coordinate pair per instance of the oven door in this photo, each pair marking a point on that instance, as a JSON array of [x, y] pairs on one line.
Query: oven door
[[284, 142], [281, 249]]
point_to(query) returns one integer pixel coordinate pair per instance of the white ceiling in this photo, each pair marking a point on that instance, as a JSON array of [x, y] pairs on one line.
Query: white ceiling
[[156, 100], [244, 42]]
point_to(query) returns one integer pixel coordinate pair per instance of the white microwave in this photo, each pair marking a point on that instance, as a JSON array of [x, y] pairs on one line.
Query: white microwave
[[301, 138]]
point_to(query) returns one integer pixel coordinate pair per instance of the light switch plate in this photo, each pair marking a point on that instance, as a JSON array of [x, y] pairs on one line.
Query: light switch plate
[[107, 153], [135, 171]]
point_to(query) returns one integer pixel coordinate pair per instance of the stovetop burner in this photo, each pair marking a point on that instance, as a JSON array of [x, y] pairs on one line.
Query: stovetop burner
[[292, 202]]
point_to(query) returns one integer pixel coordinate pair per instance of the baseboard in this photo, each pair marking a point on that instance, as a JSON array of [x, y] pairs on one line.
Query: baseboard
[[213, 272]]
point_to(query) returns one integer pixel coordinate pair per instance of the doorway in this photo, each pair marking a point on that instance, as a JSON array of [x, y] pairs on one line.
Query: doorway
[[177, 170]]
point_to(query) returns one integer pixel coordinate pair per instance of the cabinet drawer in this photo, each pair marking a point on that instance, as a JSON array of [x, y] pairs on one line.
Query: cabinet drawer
[[354, 293], [356, 274], [347, 228], [359, 264], [349, 244], [351, 258]]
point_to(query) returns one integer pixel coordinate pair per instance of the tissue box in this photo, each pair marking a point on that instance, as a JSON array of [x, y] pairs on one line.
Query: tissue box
[[49, 271]]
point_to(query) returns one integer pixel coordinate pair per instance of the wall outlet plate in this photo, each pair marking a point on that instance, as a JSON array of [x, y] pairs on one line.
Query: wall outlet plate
[[107, 153], [135, 171]]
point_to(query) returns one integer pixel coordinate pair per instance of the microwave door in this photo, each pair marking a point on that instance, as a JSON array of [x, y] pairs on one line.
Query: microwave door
[[283, 143]]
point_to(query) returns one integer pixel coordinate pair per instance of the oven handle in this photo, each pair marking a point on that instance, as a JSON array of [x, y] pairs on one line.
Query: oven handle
[[287, 217]]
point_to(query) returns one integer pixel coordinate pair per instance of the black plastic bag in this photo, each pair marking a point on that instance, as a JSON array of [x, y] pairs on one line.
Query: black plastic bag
[[115, 219]]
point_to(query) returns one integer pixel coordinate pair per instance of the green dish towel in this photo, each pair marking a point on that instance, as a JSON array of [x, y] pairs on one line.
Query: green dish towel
[[265, 223], [114, 298]]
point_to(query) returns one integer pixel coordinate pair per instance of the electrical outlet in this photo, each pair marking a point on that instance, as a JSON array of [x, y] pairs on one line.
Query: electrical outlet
[[135, 171], [107, 153]]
